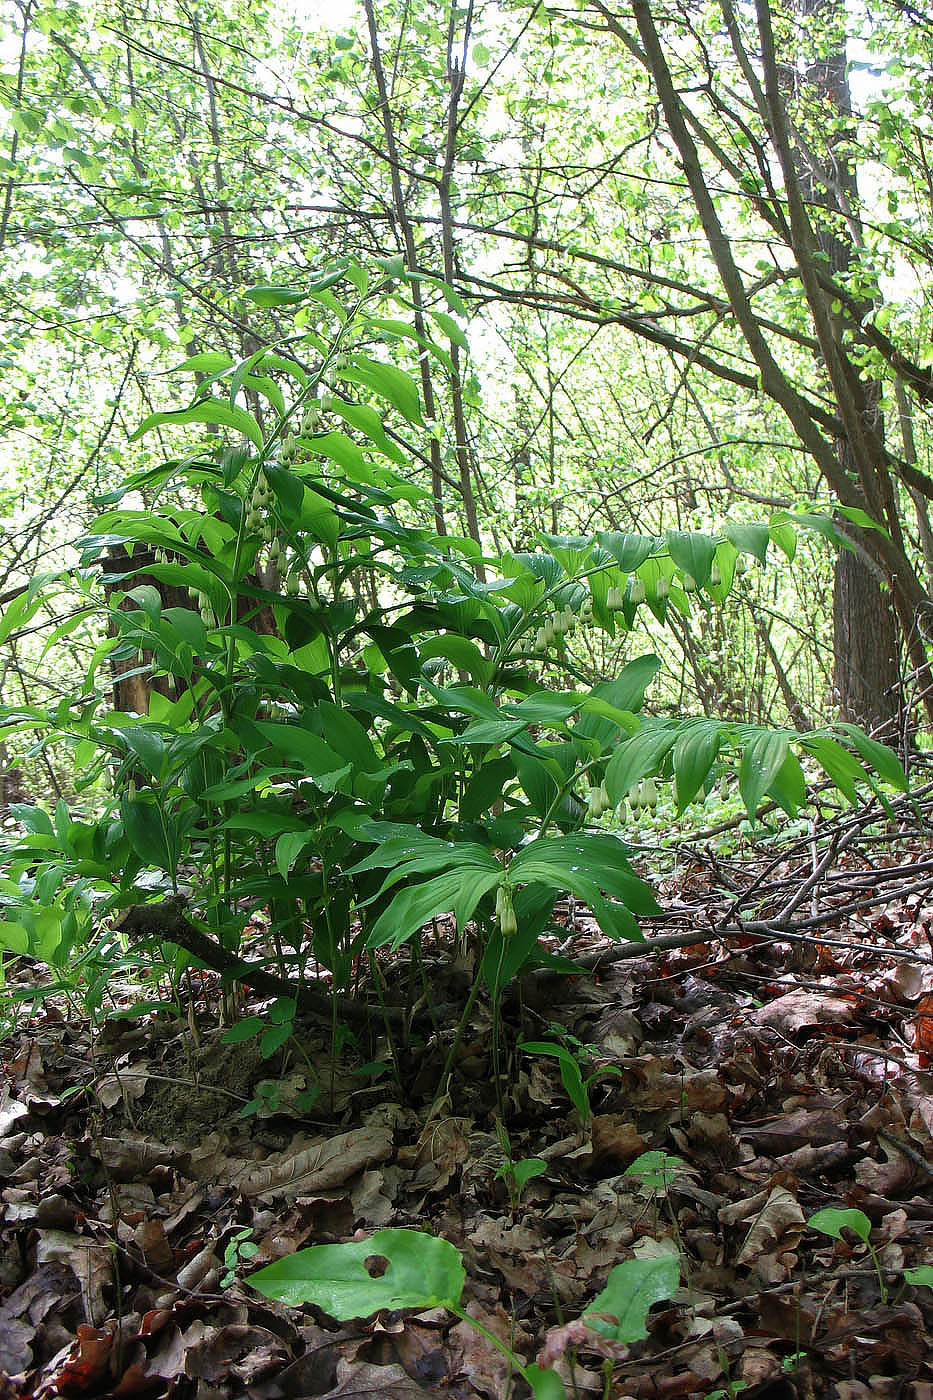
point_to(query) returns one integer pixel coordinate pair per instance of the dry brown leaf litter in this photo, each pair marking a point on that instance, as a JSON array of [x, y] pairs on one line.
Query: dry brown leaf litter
[[784, 1083]]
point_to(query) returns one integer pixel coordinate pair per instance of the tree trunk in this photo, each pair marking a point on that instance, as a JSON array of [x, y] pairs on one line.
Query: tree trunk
[[865, 669]]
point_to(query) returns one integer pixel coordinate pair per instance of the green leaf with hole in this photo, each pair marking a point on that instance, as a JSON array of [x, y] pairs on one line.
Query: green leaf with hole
[[420, 1271]]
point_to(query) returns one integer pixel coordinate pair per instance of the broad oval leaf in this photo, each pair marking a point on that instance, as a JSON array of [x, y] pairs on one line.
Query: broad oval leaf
[[621, 1310], [833, 1220], [693, 553], [424, 1271]]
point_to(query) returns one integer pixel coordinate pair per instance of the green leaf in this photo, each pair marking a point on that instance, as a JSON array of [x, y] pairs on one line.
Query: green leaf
[[585, 860], [764, 754], [695, 751], [423, 1272], [344, 451], [304, 749], [273, 1038], [149, 600], [921, 1277], [631, 1290], [289, 491], [878, 756], [149, 833], [570, 1073], [837, 763], [525, 1170], [861, 517], [212, 362], [246, 1029], [367, 421], [641, 756], [288, 848], [266, 295], [749, 538], [693, 553], [464, 654], [789, 788], [545, 1385], [455, 890], [783, 534], [628, 550], [216, 411], [832, 1221], [656, 1169], [392, 383], [148, 747], [34, 819]]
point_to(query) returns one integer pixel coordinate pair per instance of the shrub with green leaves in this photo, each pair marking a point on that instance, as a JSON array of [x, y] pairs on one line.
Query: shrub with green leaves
[[408, 739]]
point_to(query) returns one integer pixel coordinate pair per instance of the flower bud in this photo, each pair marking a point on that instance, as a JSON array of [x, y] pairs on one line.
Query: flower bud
[[689, 583], [663, 588], [636, 591], [715, 576]]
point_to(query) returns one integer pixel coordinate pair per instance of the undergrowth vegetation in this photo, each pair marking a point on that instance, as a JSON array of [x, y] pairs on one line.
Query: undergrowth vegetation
[[351, 727]]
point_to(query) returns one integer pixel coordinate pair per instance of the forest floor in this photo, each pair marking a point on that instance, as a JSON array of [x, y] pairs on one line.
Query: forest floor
[[779, 1076]]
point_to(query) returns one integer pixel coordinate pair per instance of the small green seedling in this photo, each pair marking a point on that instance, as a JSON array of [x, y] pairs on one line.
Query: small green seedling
[[266, 1100], [571, 1074], [656, 1171], [240, 1249], [832, 1221], [275, 1027], [516, 1174]]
